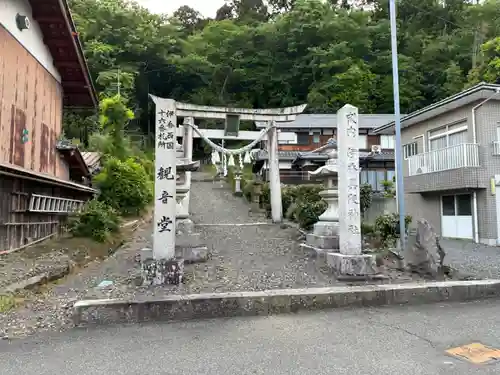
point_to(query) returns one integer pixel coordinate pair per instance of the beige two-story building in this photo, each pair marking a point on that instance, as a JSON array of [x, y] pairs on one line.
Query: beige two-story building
[[451, 166]]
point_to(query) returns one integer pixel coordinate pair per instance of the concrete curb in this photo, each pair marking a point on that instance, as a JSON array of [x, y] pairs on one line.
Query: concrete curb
[[202, 306], [55, 274]]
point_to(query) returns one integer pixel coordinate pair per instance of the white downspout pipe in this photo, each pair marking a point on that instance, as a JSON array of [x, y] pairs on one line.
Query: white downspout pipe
[[474, 140]]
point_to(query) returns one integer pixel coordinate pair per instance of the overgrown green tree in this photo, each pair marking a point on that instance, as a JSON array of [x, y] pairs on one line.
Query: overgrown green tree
[[286, 52]]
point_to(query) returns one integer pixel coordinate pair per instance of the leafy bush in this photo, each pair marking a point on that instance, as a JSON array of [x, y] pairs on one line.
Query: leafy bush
[[365, 197], [125, 186], [307, 213], [303, 204], [96, 220], [265, 196], [387, 227], [389, 190], [367, 228], [247, 188]]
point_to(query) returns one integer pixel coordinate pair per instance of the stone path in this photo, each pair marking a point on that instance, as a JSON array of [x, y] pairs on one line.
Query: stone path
[[248, 257]]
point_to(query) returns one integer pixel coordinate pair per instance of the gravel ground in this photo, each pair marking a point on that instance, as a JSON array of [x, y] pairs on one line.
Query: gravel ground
[[50, 307], [473, 259], [244, 257]]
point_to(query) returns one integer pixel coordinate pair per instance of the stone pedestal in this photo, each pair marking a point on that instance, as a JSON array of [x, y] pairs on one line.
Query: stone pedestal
[[237, 185], [356, 266], [188, 245], [161, 271], [325, 235], [257, 192]]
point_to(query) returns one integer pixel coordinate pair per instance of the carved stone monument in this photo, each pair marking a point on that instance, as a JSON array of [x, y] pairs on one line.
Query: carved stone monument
[[164, 267], [350, 261]]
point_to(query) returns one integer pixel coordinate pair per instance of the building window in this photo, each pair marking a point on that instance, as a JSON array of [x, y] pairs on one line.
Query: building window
[[362, 142], [447, 136], [327, 131], [410, 149], [448, 140], [387, 141], [316, 138], [302, 138], [376, 178]]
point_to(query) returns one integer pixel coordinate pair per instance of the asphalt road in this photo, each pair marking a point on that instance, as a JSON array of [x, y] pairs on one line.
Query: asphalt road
[[396, 340]]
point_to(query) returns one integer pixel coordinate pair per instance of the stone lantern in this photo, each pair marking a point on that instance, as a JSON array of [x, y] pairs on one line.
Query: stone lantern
[[325, 235]]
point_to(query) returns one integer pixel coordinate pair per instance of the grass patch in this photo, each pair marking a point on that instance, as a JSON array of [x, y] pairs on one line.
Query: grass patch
[[9, 302], [208, 168]]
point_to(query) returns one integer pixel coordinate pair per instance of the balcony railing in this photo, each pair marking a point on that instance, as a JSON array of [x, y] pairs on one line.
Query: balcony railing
[[459, 156]]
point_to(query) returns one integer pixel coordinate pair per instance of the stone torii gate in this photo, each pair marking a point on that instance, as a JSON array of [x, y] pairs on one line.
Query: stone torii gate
[[166, 267]]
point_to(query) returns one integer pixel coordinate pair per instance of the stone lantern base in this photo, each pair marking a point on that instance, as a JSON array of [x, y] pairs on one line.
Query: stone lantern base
[[325, 235]]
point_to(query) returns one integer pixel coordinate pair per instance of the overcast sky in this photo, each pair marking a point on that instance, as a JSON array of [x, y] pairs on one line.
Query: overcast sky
[[206, 7]]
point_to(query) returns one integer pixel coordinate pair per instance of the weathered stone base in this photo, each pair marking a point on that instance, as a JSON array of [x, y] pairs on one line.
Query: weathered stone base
[[326, 228], [189, 252], [192, 254], [162, 271], [363, 265], [330, 243], [255, 208], [184, 225], [315, 252]]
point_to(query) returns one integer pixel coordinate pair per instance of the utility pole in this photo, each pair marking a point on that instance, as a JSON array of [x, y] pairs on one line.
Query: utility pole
[[397, 124]]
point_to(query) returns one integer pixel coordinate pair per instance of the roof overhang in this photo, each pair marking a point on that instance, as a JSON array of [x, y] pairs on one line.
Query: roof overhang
[[476, 93], [20, 172], [61, 38], [74, 158], [384, 156]]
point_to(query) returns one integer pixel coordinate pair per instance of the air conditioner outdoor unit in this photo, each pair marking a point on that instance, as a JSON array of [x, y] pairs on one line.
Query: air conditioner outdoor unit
[[376, 149]]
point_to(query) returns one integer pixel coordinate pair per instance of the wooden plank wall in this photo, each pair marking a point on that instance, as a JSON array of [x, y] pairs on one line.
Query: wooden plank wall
[[31, 99], [18, 227]]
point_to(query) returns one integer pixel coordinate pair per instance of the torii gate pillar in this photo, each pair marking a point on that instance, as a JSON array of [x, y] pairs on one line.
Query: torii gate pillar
[[274, 175]]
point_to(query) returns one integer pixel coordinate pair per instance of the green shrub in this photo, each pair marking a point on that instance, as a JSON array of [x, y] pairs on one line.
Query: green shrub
[[387, 227], [265, 196], [125, 186], [96, 220], [307, 213], [367, 228], [365, 197], [247, 188], [303, 204]]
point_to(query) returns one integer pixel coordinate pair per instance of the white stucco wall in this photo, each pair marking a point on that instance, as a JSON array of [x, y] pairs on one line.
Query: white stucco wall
[[32, 38]]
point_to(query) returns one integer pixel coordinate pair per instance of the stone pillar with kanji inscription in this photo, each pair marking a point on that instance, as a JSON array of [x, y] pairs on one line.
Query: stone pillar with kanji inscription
[[350, 261], [164, 267]]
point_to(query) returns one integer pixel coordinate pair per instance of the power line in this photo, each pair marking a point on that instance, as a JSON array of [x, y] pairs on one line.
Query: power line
[[440, 18]]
